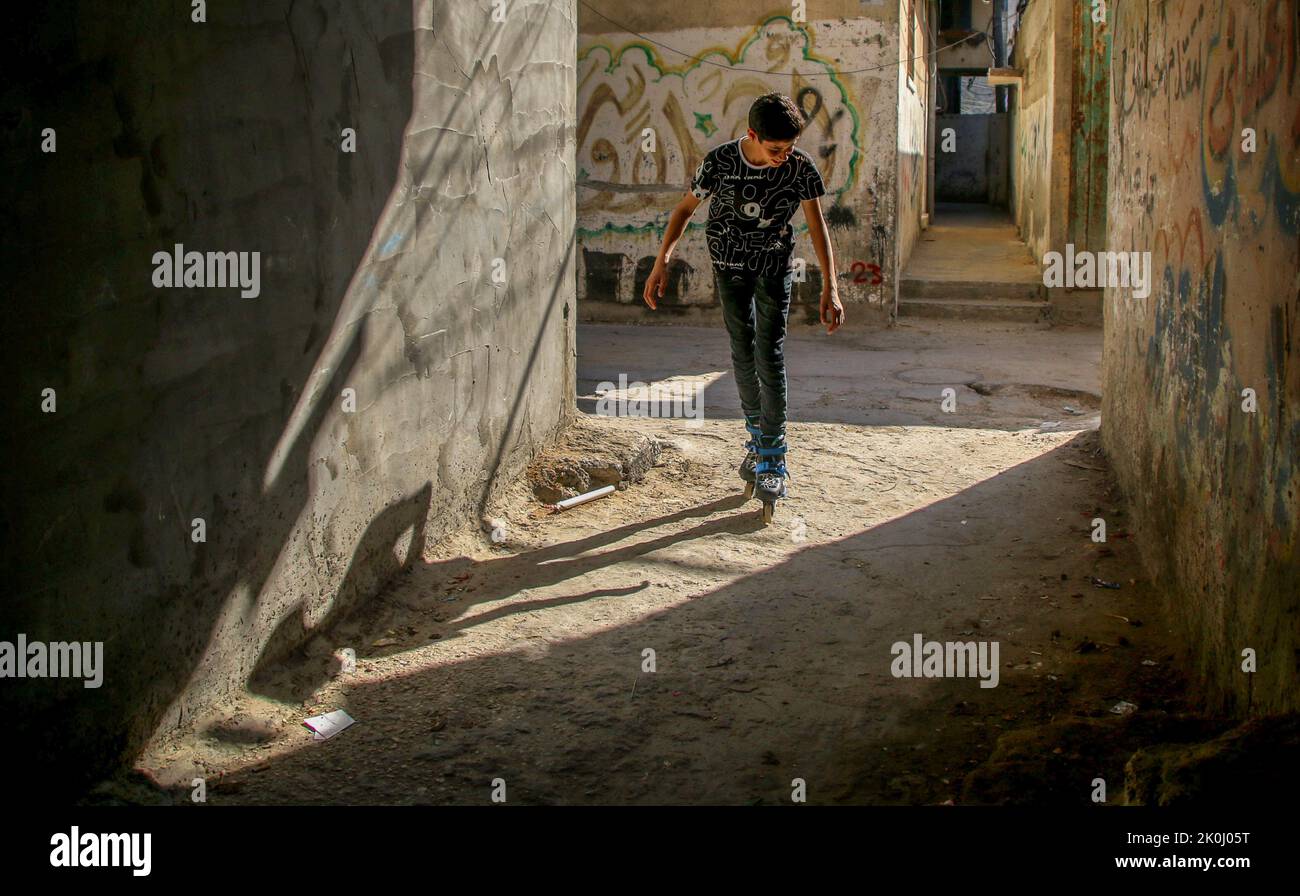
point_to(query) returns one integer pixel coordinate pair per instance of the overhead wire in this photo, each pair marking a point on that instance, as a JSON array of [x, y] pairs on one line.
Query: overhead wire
[[762, 71]]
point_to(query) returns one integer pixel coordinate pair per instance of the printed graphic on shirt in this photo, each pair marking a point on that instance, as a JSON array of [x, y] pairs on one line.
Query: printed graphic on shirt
[[751, 207]]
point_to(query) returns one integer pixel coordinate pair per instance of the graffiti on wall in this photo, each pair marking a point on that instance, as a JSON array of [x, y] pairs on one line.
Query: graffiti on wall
[[694, 105], [1224, 82], [1243, 71], [1205, 174], [1227, 75], [1251, 66]]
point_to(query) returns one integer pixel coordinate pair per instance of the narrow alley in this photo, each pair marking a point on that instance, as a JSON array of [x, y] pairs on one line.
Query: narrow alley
[[521, 659], [417, 405], [971, 264]]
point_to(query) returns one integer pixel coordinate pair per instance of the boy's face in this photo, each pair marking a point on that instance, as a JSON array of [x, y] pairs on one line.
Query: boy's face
[[771, 152]]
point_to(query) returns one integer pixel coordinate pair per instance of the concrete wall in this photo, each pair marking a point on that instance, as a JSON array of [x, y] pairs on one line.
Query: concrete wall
[[998, 161], [1089, 131], [913, 128], [176, 404], [975, 52], [698, 98], [1213, 487], [976, 170], [1040, 156]]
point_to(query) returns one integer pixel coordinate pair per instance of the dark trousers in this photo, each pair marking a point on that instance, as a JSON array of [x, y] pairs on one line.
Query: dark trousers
[[755, 310]]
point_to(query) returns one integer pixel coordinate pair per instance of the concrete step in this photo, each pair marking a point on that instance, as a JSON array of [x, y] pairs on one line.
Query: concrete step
[[973, 309], [972, 290]]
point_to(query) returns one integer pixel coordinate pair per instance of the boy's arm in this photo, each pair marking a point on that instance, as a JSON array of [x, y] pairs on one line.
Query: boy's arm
[[832, 312], [658, 279]]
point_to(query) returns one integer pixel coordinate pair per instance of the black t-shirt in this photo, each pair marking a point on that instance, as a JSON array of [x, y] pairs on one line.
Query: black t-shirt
[[749, 217]]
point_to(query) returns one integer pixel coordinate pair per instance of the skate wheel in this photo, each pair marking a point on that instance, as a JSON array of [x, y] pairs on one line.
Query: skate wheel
[[768, 508], [749, 490]]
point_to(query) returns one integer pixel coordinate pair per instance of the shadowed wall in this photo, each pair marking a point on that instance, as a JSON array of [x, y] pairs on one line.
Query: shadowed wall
[[1212, 483], [429, 272]]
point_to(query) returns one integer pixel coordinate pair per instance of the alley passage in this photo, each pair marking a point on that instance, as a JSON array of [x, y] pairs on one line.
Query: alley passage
[[522, 661]]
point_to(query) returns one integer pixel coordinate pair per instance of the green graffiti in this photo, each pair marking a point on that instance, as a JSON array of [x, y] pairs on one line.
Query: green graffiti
[[704, 122]]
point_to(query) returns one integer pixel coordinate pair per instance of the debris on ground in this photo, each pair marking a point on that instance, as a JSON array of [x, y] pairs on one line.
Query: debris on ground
[[588, 458], [584, 498], [323, 727]]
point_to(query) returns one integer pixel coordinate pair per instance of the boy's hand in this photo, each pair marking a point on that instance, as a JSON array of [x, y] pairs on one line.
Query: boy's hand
[[831, 309], [655, 283]]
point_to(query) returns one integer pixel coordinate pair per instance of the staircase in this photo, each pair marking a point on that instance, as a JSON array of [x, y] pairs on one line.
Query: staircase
[[971, 265]]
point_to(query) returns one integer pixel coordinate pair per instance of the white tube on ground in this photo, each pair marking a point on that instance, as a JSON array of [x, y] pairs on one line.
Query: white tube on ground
[[583, 499]]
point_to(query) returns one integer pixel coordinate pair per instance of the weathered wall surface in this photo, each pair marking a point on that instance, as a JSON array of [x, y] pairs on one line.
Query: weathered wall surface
[[913, 125], [976, 169], [1213, 487], [694, 100], [998, 161], [181, 403], [1089, 131], [974, 44], [1040, 158]]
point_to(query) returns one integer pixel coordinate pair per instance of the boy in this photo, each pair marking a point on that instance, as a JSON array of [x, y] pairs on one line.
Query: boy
[[755, 183]]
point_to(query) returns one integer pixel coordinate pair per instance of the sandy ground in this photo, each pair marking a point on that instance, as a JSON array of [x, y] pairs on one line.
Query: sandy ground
[[523, 660]]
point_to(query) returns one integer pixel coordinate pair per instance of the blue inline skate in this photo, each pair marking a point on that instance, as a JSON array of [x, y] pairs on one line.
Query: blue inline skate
[[747, 465], [770, 473]]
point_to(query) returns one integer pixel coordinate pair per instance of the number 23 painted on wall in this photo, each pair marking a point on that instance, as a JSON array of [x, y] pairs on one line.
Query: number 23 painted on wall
[[859, 269]]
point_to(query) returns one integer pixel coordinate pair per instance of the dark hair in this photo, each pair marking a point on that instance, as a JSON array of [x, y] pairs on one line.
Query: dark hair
[[774, 116]]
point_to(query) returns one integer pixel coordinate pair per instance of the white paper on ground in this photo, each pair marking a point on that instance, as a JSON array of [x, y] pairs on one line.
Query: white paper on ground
[[326, 726]]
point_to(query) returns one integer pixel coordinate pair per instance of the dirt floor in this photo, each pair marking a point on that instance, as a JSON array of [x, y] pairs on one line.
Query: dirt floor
[[519, 654]]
